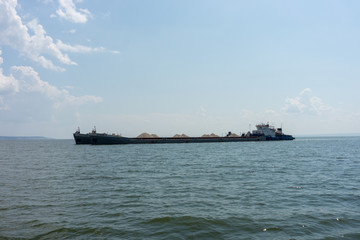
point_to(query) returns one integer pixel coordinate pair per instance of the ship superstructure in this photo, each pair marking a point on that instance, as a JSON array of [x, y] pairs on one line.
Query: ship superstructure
[[271, 133]]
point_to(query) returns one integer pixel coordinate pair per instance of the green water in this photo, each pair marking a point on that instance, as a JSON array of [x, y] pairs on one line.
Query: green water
[[303, 189]]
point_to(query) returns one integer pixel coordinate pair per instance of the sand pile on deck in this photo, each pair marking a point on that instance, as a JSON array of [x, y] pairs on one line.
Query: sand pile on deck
[[233, 135], [210, 135], [147, 135], [180, 136]]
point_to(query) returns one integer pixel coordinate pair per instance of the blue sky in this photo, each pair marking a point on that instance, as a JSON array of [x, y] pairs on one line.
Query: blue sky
[[168, 67]]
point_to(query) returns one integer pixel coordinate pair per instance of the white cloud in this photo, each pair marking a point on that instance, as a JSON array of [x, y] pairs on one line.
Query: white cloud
[[32, 41], [317, 105], [82, 49], [294, 105], [306, 103], [16, 35], [8, 85], [77, 48], [41, 43], [23, 79], [68, 11], [306, 91], [29, 81]]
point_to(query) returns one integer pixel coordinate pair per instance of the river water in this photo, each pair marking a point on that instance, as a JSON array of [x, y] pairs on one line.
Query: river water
[[308, 188]]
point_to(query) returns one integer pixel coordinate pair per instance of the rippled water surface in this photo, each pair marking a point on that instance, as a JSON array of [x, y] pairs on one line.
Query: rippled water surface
[[303, 189]]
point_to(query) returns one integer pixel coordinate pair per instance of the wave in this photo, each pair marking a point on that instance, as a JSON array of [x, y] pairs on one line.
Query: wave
[[193, 227], [76, 233], [200, 227]]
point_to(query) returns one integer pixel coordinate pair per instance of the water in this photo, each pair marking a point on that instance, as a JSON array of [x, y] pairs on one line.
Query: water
[[303, 189]]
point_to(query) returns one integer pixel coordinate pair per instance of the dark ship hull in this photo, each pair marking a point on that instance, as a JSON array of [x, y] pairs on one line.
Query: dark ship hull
[[81, 138], [282, 137], [106, 139]]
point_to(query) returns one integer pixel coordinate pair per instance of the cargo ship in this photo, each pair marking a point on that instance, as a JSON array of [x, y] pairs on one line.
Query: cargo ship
[[264, 132]]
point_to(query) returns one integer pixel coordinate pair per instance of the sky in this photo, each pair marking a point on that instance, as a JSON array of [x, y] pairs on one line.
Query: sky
[[178, 66]]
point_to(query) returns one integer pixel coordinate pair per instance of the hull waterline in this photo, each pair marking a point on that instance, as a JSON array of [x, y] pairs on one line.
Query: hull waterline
[[101, 139]]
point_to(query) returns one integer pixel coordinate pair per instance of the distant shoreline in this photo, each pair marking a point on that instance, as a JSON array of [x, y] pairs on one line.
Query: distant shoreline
[[24, 138], [329, 135]]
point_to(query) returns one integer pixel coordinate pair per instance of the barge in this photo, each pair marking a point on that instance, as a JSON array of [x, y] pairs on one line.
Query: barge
[[264, 132]]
